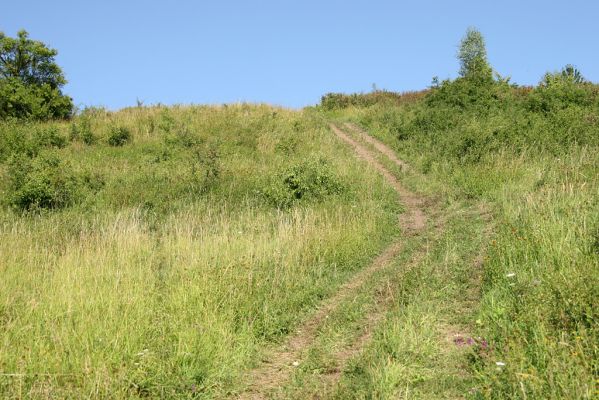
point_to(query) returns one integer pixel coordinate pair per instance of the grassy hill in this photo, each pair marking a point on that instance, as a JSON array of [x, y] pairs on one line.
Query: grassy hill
[[161, 264], [532, 155], [434, 244]]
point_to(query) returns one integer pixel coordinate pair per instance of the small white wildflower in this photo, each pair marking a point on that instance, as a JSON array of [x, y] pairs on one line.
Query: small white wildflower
[[511, 275], [295, 363], [500, 364]]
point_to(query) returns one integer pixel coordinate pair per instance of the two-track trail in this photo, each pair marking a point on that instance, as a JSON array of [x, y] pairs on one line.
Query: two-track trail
[[278, 364]]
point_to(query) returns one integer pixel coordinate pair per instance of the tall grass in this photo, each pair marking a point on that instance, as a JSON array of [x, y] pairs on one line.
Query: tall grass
[[170, 274], [539, 169]]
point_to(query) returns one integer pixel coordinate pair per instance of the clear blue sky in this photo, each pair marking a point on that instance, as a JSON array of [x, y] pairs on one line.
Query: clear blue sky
[[291, 52]]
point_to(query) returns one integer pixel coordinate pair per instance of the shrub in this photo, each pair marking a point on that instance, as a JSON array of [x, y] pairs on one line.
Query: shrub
[[42, 182], [182, 136], [206, 169], [310, 179], [14, 139], [119, 136], [50, 137], [476, 86], [81, 130], [28, 139], [94, 181], [560, 90], [88, 137], [166, 122]]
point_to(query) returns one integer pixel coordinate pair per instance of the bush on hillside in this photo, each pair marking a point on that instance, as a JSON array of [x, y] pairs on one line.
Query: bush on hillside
[[28, 139], [207, 167], [49, 137], [44, 182], [476, 86], [560, 90], [308, 180], [119, 136], [82, 130]]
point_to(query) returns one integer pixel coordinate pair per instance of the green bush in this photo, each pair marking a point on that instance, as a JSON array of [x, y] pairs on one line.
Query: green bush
[[88, 137], [119, 136], [93, 181], [18, 100], [14, 139], [182, 136], [166, 122], [43, 182], [50, 137], [557, 93], [308, 180], [28, 139], [82, 130], [206, 168]]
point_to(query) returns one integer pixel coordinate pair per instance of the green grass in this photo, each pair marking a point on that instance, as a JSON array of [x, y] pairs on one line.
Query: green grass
[[166, 264], [432, 291], [167, 279], [539, 174], [412, 349]]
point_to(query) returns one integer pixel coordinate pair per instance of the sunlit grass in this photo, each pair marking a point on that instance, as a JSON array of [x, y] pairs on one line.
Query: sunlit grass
[[149, 288], [538, 303]]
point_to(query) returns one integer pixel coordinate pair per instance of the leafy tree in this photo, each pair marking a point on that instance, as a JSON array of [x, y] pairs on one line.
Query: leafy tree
[[572, 73], [569, 74], [476, 87], [30, 80], [473, 56], [560, 90]]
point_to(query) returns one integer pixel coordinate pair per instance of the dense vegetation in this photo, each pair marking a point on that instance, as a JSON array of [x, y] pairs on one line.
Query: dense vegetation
[[533, 155], [155, 251], [30, 80]]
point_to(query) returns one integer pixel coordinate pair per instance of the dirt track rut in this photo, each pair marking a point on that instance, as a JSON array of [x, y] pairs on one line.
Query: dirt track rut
[[278, 366]]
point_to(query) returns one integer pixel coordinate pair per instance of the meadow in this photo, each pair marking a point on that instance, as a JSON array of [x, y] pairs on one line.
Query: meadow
[[425, 245], [532, 156], [153, 252]]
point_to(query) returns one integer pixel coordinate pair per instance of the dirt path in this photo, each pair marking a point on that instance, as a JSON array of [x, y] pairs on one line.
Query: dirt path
[[278, 366], [380, 146], [413, 219]]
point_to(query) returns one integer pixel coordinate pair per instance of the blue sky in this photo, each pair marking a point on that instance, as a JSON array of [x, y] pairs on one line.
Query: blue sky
[[291, 52]]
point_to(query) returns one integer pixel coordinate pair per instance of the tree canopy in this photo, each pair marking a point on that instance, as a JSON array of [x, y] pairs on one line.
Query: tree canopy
[[30, 80], [473, 56]]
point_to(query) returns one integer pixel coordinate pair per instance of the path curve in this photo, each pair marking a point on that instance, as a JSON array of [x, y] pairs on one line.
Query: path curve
[[278, 365]]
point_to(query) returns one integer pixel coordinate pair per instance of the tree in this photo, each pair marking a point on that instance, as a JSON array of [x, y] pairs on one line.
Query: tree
[[477, 87], [473, 56], [560, 90], [569, 75], [30, 80]]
